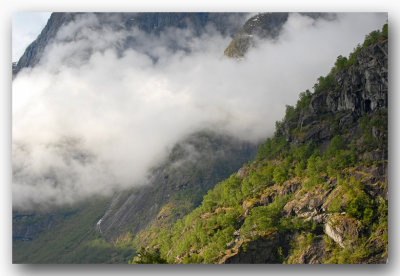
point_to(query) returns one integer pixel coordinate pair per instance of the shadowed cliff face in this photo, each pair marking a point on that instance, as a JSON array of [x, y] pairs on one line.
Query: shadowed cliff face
[[358, 90], [192, 168], [151, 23], [34, 52]]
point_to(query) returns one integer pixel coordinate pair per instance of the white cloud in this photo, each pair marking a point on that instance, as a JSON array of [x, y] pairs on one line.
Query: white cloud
[[93, 118]]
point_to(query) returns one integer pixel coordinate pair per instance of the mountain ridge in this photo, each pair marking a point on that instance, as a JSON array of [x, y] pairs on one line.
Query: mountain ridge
[[226, 23], [282, 207], [317, 191]]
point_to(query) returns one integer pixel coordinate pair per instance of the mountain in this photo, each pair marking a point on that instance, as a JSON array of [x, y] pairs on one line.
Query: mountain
[[261, 27], [151, 23], [193, 167], [317, 192]]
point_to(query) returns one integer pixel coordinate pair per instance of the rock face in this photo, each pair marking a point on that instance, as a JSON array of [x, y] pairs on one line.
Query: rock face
[[262, 251], [357, 95], [34, 52], [261, 26], [362, 88], [194, 166], [265, 25], [340, 228], [154, 23], [356, 91]]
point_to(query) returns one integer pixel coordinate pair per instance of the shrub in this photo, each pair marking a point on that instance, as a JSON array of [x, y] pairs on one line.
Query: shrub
[[385, 33], [150, 256], [371, 38], [325, 84], [304, 100], [335, 206], [280, 175], [336, 145], [357, 205], [341, 63]]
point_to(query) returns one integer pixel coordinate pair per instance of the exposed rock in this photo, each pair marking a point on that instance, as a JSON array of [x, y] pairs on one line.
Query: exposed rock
[[262, 26], [265, 25], [243, 172], [35, 50], [307, 203], [320, 219], [272, 192], [342, 229], [260, 251], [155, 23], [336, 193], [375, 155], [313, 254], [364, 88], [357, 90]]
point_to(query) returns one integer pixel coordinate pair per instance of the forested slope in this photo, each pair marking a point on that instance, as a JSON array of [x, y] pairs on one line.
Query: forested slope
[[317, 192]]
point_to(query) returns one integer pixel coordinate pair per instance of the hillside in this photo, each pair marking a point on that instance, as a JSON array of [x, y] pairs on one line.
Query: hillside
[[317, 191], [194, 165], [92, 231]]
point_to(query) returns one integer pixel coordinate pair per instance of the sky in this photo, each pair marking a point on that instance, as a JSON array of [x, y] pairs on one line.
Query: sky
[[26, 26], [90, 119]]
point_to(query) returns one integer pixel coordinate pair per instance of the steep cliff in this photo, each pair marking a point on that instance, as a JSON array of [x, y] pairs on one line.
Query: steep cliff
[[317, 191]]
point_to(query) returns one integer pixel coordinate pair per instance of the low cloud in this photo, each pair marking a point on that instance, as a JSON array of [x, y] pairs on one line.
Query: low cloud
[[93, 116]]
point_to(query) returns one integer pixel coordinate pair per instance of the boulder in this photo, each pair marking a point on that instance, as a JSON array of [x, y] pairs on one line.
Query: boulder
[[343, 230]]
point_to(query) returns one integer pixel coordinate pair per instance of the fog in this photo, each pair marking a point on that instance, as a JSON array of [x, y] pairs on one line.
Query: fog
[[92, 117]]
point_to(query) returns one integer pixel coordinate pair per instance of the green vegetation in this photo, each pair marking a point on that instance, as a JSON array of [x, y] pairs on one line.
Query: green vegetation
[[73, 240], [278, 195], [317, 166], [207, 234], [328, 82], [264, 219]]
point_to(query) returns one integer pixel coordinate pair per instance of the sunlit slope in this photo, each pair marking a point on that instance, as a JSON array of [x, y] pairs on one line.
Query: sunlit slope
[[317, 191]]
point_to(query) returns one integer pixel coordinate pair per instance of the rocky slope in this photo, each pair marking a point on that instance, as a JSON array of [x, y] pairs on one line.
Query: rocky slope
[[97, 228], [262, 26], [193, 167], [317, 191]]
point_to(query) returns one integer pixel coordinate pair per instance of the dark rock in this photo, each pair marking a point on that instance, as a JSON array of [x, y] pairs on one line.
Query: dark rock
[[261, 251], [262, 26], [314, 253], [154, 23], [359, 89]]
